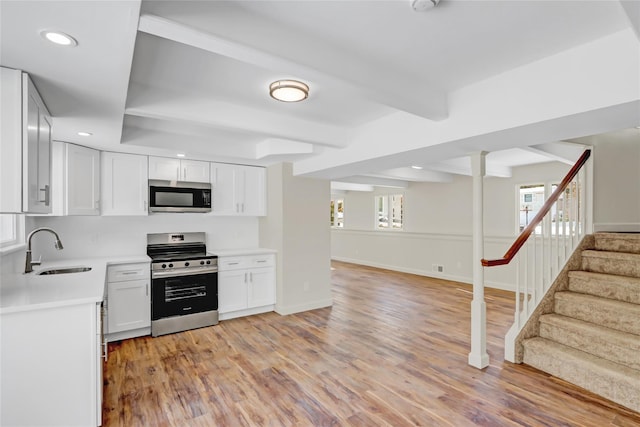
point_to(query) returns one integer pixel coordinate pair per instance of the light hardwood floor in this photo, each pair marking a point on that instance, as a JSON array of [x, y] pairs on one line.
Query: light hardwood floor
[[392, 351]]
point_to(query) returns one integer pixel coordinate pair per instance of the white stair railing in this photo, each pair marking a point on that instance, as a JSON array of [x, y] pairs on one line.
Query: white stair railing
[[546, 243]]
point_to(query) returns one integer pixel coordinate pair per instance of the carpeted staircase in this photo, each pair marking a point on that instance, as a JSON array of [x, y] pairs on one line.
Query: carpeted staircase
[[592, 338]]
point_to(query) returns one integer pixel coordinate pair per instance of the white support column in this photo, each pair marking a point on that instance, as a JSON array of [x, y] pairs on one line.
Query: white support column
[[478, 356]]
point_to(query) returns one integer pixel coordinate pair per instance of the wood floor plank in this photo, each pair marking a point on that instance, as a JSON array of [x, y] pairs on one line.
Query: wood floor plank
[[391, 351]]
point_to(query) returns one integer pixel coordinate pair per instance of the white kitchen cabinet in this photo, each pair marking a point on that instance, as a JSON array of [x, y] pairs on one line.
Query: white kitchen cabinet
[[125, 189], [75, 186], [25, 152], [51, 366], [246, 285], [232, 291], [128, 302], [238, 189], [178, 170]]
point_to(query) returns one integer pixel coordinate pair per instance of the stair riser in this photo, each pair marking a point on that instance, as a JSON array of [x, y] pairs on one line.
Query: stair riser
[[629, 244], [620, 390], [606, 288], [593, 343], [611, 266], [621, 320]]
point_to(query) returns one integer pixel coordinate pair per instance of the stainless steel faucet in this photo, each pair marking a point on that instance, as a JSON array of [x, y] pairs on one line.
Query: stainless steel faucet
[[28, 264]]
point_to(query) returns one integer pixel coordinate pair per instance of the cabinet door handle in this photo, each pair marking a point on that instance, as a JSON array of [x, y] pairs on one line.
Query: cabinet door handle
[[251, 277], [46, 195], [237, 207], [245, 277], [261, 260], [126, 273], [233, 263], [242, 207], [146, 289], [145, 205], [184, 173]]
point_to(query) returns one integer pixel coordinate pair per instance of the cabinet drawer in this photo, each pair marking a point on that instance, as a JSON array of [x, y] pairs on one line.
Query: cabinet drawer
[[126, 272], [233, 263], [266, 260]]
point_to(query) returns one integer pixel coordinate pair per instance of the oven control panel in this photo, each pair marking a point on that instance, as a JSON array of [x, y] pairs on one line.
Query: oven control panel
[[190, 264]]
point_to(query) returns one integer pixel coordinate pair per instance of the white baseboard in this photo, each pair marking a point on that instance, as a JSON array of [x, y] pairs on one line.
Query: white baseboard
[[311, 305], [426, 273], [629, 227]]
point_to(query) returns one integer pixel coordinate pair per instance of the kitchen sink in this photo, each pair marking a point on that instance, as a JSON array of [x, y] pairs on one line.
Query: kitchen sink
[[63, 270]]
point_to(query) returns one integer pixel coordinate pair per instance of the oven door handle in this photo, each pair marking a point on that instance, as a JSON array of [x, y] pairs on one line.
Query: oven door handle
[[181, 273]]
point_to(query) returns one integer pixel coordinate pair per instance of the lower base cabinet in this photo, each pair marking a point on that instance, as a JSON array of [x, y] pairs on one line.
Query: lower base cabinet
[[246, 285], [52, 361], [128, 306]]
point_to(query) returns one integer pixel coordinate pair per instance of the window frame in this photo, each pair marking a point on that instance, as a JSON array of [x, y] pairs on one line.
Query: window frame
[[389, 203], [333, 222], [18, 242]]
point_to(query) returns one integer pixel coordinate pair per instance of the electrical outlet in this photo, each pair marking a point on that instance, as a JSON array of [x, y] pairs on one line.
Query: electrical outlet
[[440, 268]]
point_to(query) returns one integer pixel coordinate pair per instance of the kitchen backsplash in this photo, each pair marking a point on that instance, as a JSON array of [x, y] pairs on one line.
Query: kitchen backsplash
[[88, 236]]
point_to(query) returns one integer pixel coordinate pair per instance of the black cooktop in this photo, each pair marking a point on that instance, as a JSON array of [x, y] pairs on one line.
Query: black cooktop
[[169, 253]]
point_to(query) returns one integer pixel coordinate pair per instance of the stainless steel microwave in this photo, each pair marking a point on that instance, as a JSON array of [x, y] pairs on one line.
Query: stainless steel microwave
[[179, 196]]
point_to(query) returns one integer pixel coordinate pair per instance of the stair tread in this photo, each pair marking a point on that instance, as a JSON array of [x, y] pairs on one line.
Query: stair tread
[[593, 253], [593, 362], [610, 303], [626, 338], [612, 278]]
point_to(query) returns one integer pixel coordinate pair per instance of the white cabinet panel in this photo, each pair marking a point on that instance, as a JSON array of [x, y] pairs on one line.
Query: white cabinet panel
[[262, 289], [83, 180], [129, 305], [178, 170], [164, 168], [232, 291], [124, 184], [195, 171], [128, 299], [238, 190], [25, 152], [246, 285]]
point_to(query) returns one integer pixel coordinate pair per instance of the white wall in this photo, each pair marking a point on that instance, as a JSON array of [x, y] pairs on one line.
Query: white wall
[[438, 226], [616, 171], [88, 236], [297, 226]]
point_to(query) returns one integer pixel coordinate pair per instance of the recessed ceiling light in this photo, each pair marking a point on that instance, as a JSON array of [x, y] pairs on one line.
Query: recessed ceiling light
[[59, 38], [85, 133], [180, 154], [416, 167], [288, 90], [637, 127]]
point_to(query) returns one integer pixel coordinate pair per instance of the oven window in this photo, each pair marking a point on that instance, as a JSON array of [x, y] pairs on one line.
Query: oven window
[[173, 199]]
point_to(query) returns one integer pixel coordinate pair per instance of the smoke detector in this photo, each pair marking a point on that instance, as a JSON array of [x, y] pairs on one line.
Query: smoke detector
[[422, 5]]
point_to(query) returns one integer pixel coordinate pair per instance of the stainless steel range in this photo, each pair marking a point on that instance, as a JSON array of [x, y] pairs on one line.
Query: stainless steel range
[[184, 283]]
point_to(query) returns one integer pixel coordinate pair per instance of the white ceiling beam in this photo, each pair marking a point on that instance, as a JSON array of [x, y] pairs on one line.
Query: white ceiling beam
[[277, 147], [165, 105], [632, 10], [499, 171], [561, 151], [347, 186], [415, 175], [376, 181], [428, 102]]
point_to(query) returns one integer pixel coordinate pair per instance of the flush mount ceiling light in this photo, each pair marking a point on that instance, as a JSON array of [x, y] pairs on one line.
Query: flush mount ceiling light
[[422, 5], [416, 167], [59, 38], [288, 90], [180, 154], [85, 133]]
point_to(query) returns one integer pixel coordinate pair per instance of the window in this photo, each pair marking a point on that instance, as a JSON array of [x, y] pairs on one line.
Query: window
[[389, 212], [337, 213], [11, 230], [564, 213], [532, 198]]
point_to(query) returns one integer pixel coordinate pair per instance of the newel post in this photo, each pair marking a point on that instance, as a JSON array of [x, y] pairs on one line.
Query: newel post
[[478, 356]]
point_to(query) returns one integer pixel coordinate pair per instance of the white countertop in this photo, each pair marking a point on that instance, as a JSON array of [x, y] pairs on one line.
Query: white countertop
[[24, 292], [244, 251]]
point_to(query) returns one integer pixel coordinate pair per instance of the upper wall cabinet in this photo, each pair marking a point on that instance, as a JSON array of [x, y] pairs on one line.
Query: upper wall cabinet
[[238, 190], [76, 179], [124, 184], [25, 148], [178, 170]]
